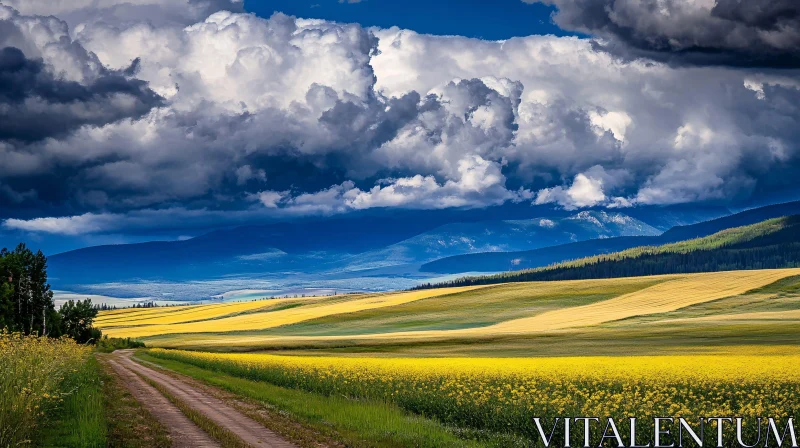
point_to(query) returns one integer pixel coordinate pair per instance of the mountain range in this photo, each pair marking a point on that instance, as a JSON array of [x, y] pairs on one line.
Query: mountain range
[[520, 260], [409, 244]]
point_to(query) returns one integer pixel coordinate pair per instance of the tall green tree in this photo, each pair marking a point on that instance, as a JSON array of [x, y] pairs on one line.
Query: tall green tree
[[26, 301], [77, 319]]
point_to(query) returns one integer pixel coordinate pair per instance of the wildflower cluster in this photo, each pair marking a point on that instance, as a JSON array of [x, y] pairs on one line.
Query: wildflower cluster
[[32, 381]]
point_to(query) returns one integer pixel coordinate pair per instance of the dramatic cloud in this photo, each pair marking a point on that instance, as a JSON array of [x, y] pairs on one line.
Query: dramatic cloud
[[230, 117], [678, 134], [34, 105], [480, 183], [730, 32]]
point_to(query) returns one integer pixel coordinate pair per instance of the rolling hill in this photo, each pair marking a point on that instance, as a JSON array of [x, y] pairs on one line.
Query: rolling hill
[[608, 315], [770, 244], [522, 260]]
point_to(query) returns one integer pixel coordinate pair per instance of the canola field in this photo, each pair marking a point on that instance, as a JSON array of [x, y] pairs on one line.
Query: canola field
[[504, 395]]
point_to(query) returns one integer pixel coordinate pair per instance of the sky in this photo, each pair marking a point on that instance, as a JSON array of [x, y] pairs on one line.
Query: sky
[[492, 20], [132, 120]]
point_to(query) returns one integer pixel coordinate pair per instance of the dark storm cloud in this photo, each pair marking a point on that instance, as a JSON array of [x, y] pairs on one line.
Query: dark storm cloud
[[34, 105], [268, 118], [758, 33]]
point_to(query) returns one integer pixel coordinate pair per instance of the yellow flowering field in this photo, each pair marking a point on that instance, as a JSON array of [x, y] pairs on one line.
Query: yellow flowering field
[[32, 374], [505, 394]]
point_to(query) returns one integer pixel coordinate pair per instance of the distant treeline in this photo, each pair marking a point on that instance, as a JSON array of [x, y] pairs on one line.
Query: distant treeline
[[107, 307], [770, 244]]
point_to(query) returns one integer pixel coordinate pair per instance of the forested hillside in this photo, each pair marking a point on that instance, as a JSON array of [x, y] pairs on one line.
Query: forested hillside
[[554, 253], [771, 244]]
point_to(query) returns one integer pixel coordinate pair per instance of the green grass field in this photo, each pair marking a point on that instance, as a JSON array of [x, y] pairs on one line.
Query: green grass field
[[761, 312]]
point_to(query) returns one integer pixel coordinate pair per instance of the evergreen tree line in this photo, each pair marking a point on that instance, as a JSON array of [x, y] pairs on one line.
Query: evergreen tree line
[[772, 244], [107, 307], [26, 301]]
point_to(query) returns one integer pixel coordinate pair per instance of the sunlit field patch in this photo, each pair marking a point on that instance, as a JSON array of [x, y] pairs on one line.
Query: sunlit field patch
[[671, 295], [225, 318], [476, 315], [505, 394]]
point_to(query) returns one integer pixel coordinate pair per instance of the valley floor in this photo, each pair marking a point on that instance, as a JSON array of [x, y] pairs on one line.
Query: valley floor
[[467, 366], [264, 400], [671, 314]]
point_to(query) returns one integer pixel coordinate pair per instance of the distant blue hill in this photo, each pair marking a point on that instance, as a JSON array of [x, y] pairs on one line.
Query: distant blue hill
[[359, 242], [499, 236], [520, 260]]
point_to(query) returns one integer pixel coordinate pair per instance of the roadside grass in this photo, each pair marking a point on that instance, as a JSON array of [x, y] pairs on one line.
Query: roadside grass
[[80, 420], [97, 412], [356, 423], [129, 424], [38, 377]]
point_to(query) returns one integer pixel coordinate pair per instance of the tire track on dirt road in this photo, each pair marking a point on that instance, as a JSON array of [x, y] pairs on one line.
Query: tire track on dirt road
[[183, 432], [250, 431]]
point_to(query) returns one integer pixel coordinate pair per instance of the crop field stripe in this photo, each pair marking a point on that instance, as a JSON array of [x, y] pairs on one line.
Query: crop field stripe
[[169, 311], [260, 321], [130, 313], [669, 294], [197, 314], [679, 291], [212, 312], [664, 297], [470, 309], [131, 317]]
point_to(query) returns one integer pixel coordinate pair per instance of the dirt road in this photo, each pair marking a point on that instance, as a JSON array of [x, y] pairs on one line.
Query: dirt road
[[183, 431]]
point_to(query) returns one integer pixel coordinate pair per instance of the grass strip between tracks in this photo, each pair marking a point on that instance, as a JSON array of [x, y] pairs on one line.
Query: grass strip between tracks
[[225, 437]]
